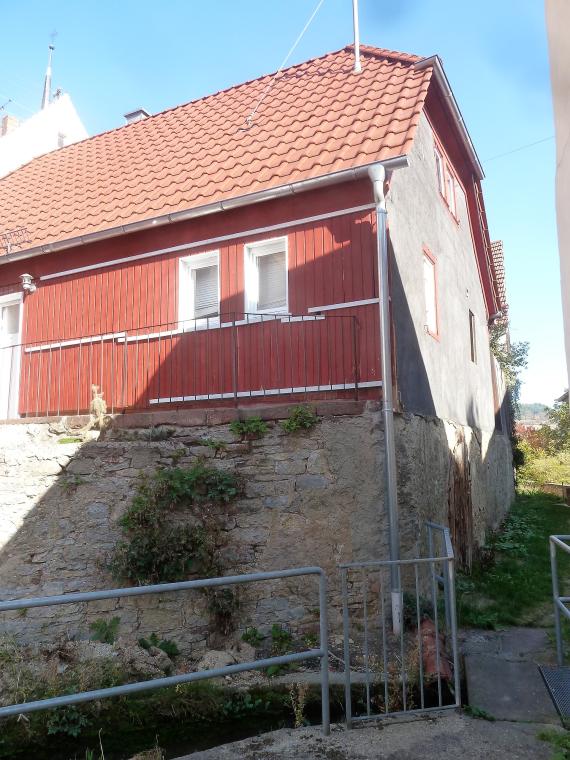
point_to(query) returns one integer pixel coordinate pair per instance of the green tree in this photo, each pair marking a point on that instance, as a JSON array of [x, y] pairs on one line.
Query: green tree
[[511, 358], [558, 432]]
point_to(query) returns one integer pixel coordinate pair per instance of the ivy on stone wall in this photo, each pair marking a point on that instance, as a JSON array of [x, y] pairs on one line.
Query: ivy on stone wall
[[172, 530]]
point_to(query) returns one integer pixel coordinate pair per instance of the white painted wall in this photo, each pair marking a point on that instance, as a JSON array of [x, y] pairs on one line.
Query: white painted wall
[[39, 134], [558, 24]]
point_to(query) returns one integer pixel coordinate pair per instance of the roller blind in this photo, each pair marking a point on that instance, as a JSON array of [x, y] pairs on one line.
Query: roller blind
[[206, 291], [272, 273]]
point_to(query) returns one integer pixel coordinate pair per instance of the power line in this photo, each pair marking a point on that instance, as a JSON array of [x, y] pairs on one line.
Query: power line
[[249, 119], [516, 150]]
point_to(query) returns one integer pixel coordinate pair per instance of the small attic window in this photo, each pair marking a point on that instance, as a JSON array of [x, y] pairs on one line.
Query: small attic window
[[60, 139], [446, 179]]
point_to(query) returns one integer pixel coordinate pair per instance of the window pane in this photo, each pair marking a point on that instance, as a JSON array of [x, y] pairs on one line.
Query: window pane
[[439, 167], [430, 295], [272, 274], [450, 194], [10, 319], [206, 291], [472, 337]]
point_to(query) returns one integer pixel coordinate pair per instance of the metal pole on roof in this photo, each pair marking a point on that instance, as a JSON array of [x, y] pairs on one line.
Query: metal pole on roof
[[357, 66], [377, 174]]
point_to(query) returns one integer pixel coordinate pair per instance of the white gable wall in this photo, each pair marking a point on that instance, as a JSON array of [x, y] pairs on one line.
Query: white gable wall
[[40, 134]]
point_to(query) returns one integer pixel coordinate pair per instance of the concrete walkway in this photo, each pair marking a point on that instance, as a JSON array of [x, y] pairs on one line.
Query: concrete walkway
[[446, 738], [501, 671]]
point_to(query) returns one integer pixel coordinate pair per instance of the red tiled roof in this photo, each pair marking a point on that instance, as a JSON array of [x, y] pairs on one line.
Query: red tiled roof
[[318, 117], [499, 265]]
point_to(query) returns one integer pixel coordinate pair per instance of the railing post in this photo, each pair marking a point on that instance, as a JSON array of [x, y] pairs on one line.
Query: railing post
[[346, 653], [234, 359], [449, 575], [324, 637], [555, 596]]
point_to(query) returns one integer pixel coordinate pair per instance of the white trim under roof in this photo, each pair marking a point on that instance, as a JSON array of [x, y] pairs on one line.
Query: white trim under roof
[[291, 188], [434, 62], [210, 241]]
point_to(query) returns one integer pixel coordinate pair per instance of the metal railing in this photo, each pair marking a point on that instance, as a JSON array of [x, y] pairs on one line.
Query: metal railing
[[561, 603], [227, 358], [407, 670], [157, 683]]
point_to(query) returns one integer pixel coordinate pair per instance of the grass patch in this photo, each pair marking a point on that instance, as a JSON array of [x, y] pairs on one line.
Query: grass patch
[[70, 439], [511, 583], [542, 467], [560, 741]]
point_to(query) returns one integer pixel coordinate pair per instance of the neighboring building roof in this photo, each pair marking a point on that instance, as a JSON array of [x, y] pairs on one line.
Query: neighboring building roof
[[54, 126], [315, 118], [563, 398], [497, 252]]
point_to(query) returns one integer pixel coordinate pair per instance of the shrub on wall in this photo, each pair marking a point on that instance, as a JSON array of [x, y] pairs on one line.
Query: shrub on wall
[[158, 547]]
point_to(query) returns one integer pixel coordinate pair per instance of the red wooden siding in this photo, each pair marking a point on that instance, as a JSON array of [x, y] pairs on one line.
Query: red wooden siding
[[330, 261]]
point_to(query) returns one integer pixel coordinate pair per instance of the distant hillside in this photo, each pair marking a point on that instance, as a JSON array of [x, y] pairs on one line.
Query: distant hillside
[[533, 412]]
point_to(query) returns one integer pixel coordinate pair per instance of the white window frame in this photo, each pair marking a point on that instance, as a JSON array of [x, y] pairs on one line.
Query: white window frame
[[187, 265], [253, 251], [12, 299]]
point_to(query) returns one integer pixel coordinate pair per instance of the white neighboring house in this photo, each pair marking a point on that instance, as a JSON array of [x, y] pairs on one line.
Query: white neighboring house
[[55, 125]]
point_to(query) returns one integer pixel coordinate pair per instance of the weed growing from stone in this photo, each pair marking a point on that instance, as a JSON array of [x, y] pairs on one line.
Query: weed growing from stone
[[301, 417], [298, 693], [105, 631], [477, 712], [217, 446], [253, 637], [249, 429], [70, 439], [167, 645], [71, 483]]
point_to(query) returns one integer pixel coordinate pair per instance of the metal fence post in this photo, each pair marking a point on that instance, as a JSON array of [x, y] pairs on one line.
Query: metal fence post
[[450, 578], [555, 596], [324, 637], [346, 636]]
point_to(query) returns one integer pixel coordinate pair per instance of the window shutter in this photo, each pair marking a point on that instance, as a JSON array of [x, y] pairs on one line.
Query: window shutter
[[206, 292], [272, 274]]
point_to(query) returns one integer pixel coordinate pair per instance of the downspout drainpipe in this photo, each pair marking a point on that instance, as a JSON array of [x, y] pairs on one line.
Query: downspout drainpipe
[[377, 174]]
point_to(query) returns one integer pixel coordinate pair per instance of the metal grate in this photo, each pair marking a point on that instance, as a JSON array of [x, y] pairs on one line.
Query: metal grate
[[557, 680]]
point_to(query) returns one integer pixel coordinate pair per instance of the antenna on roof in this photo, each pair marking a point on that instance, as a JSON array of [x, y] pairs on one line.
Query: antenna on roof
[[357, 66], [46, 97]]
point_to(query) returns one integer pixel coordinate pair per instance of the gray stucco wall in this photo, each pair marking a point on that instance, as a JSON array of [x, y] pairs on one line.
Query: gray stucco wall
[[437, 377]]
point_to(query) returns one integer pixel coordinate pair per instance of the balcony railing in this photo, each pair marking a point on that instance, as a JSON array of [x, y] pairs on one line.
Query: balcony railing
[[226, 359]]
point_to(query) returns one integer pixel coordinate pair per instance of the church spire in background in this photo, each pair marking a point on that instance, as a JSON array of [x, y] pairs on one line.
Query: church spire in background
[[46, 97]]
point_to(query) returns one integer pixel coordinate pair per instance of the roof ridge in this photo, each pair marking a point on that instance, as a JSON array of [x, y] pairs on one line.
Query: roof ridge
[[386, 53]]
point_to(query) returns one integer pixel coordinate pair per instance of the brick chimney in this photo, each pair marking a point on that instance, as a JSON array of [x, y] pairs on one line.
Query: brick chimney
[[9, 123]]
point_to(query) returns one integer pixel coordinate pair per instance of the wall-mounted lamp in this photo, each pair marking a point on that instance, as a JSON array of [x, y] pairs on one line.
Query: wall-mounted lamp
[[27, 283]]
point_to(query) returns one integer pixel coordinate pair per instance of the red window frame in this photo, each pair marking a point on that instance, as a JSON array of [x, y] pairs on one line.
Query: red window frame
[[429, 255], [446, 174]]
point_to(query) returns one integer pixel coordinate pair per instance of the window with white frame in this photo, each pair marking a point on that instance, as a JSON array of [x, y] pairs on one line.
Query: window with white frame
[[266, 277], [430, 290], [199, 292]]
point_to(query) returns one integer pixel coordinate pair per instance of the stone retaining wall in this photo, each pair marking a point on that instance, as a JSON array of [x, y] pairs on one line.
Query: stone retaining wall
[[311, 498]]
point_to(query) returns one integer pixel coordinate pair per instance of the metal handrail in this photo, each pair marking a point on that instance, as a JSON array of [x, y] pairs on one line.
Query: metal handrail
[[558, 542], [321, 652]]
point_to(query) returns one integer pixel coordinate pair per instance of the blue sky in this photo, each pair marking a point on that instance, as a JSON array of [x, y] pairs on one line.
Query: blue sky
[[113, 57]]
